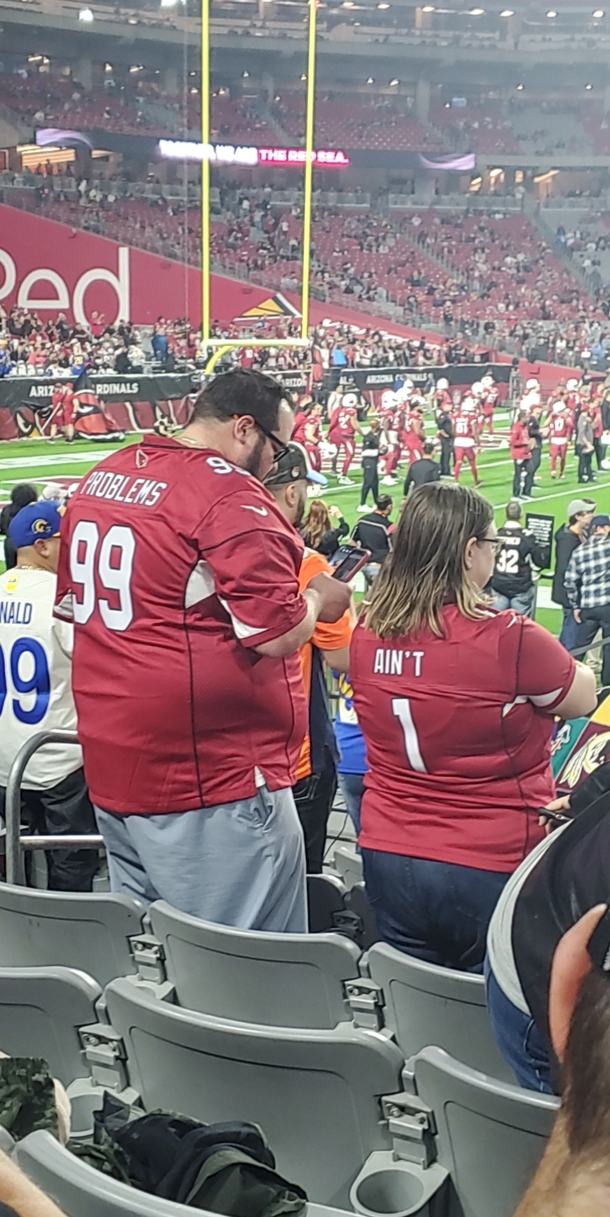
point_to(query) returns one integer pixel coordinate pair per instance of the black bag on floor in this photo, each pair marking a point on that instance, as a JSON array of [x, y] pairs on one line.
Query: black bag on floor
[[225, 1168]]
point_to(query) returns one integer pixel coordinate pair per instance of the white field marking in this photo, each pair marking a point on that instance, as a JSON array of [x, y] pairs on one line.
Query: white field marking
[[56, 458], [559, 494]]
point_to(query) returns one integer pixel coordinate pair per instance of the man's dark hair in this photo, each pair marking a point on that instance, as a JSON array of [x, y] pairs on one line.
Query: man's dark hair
[[429, 447], [513, 510], [384, 501], [242, 392], [586, 1097]]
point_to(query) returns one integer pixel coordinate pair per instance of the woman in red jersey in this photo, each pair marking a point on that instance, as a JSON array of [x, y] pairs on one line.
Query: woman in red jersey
[[456, 706]]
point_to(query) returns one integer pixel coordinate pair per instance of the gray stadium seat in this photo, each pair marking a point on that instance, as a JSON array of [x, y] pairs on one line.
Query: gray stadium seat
[[491, 1135], [287, 980], [81, 1191], [324, 902], [348, 863], [315, 1093], [88, 932], [427, 1005], [41, 1010]]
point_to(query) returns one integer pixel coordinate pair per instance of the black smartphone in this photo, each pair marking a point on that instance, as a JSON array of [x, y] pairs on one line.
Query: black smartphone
[[555, 816], [598, 945], [348, 560]]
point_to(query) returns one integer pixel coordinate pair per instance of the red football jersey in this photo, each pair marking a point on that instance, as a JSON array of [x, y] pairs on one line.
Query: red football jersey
[[560, 428], [458, 732], [174, 565], [343, 419], [464, 425], [298, 429]]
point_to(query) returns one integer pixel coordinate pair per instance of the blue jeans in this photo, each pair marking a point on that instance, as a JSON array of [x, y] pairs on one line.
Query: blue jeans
[[523, 603], [569, 630], [518, 1038], [351, 786], [239, 864], [436, 911]]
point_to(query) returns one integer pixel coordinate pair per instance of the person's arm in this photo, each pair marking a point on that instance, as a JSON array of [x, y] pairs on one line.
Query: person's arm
[[548, 676], [255, 570], [581, 697], [337, 660], [572, 581], [22, 1196]]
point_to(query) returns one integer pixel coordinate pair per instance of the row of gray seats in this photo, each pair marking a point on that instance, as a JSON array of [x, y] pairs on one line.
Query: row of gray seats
[[317, 980], [345, 1119]]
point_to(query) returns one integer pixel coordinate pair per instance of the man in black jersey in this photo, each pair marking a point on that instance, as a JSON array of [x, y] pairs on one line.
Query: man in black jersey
[[370, 461], [512, 581]]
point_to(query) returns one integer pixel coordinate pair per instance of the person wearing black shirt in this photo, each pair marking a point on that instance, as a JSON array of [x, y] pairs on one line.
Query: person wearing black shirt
[[563, 877], [512, 582], [533, 464], [444, 424], [370, 461], [423, 471], [372, 532], [567, 539]]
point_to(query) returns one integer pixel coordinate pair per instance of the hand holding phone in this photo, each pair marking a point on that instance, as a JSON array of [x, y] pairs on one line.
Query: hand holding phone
[[351, 559]]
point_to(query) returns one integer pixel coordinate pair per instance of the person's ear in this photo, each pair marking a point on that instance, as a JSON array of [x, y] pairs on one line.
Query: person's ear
[[469, 552], [243, 427], [571, 963]]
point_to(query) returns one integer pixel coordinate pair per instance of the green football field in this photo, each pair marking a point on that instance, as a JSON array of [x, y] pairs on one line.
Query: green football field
[[39, 462]]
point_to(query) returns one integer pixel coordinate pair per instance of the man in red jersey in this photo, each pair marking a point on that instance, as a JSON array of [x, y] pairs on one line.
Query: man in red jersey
[[182, 578], [488, 400], [560, 433], [63, 412], [466, 439], [342, 432]]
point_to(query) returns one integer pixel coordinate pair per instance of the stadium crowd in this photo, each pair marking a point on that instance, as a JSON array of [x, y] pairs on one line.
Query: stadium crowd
[[492, 278]]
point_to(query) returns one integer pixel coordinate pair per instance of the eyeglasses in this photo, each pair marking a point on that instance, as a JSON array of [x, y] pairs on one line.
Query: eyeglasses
[[497, 544], [279, 448]]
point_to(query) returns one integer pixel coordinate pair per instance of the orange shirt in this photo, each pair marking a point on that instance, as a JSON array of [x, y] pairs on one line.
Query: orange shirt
[[326, 636]]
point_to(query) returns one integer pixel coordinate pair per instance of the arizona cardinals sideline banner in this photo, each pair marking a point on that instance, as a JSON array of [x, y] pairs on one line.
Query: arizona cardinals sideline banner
[[110, 403]]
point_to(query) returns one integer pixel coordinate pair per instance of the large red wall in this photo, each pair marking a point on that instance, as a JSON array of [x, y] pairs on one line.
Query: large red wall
[[149, 286], [152, 286]]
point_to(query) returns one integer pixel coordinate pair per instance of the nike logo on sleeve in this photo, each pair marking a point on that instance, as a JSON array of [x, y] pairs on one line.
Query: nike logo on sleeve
[[260, 511]]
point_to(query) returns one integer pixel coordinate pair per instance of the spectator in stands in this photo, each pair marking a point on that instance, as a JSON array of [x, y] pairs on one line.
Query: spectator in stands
[[21, 495], [319, 532], [567, 539], [352, 765], [587, 583], [572, 1178], [316, 784], [423, 471], [54, 793], [192, 781], [563, 878], [512, 582], [373, 532], [451, 799]]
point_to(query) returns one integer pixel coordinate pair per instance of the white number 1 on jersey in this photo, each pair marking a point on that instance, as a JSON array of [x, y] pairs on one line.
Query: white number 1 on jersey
[[401, 709]]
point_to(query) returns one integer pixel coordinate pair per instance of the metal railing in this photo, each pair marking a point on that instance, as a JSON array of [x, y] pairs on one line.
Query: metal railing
[[16, 844]]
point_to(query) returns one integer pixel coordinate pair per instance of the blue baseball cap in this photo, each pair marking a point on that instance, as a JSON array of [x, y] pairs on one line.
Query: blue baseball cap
[[36, 522]]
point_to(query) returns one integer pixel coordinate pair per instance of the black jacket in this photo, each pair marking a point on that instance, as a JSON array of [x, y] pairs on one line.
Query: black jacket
[[566, 542], [330, 540], [422, 472]]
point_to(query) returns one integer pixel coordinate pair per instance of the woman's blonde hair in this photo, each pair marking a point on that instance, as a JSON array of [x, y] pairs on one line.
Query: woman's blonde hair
[[425, 569], [316, 523]]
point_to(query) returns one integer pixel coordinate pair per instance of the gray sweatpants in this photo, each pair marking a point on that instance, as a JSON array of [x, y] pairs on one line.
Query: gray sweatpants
[[239, 864]]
